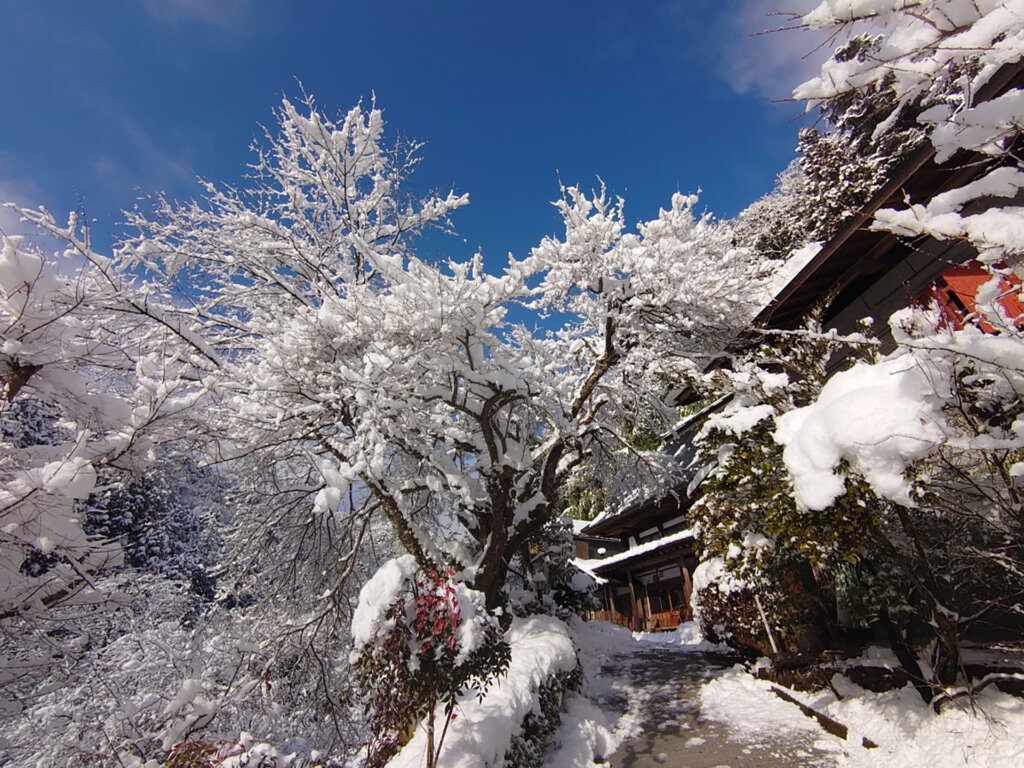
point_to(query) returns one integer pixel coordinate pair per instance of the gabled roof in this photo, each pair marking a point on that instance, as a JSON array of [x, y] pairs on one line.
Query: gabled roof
[[856, 256]]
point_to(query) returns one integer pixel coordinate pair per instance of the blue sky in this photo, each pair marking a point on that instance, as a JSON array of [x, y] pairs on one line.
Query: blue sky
[[106, 100]]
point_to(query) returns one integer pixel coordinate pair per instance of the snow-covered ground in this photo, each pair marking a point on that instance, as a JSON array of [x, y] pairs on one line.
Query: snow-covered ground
[[986, 732], [647, 686], [670, 691], [674, 698]]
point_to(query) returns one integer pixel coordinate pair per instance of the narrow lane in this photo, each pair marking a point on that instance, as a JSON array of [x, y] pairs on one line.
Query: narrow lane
[[656, 689]]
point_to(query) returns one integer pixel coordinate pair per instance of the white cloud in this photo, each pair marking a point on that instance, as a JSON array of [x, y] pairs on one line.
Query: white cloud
[[25, 193], [21, 192], [774, 63], [217, 13], [142, 163]]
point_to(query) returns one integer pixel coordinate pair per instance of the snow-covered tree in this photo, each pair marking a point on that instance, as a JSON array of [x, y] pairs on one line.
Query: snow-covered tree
[[76, 355], [370, 381], [937, 56], [780, 222], [928, 438], [352, 381]]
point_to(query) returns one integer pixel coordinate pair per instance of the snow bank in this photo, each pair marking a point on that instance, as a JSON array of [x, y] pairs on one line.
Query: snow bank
[[748, 706], [906, 730], [585, 736], [600, 638], [686, 636], [483, 730]]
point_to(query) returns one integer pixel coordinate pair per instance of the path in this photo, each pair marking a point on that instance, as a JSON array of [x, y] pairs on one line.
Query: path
[[657, 687]]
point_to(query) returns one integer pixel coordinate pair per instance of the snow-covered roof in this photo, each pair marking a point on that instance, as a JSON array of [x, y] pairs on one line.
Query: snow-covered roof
[[680, 446], [694, 419], [795, 263], [587, 566], [579, 530], [643, 549]]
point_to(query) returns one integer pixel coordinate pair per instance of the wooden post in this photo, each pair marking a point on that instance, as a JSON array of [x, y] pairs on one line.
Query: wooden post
[[687, 612], [632, 600]]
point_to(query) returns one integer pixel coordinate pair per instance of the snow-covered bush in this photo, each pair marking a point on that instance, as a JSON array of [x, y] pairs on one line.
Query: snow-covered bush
[[927, 438], [747, 517], [420, 640], [887, 487], [529, 746], [491, 729], [725, 610]]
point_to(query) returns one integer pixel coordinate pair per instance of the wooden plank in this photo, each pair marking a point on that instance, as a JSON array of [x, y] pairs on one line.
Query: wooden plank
[[832, 726]]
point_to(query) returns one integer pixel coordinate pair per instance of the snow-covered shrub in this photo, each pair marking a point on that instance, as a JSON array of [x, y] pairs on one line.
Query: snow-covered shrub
[[529, 746], [929, 436], [420, 639], [725, 610], [486, 728], [935, 458], [747, 516], [866, 487]]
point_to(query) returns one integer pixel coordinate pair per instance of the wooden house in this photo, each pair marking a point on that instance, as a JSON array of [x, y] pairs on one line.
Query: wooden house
[[646, 580]]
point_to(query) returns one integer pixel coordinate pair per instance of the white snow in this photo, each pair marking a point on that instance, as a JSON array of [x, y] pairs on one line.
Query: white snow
[[377, 595], [642, 549], [748, 706], [687, 636], [797, 260], [713, 571], [738, 420], [600, 638], [879, 417], [907, 731], [585, 737]]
